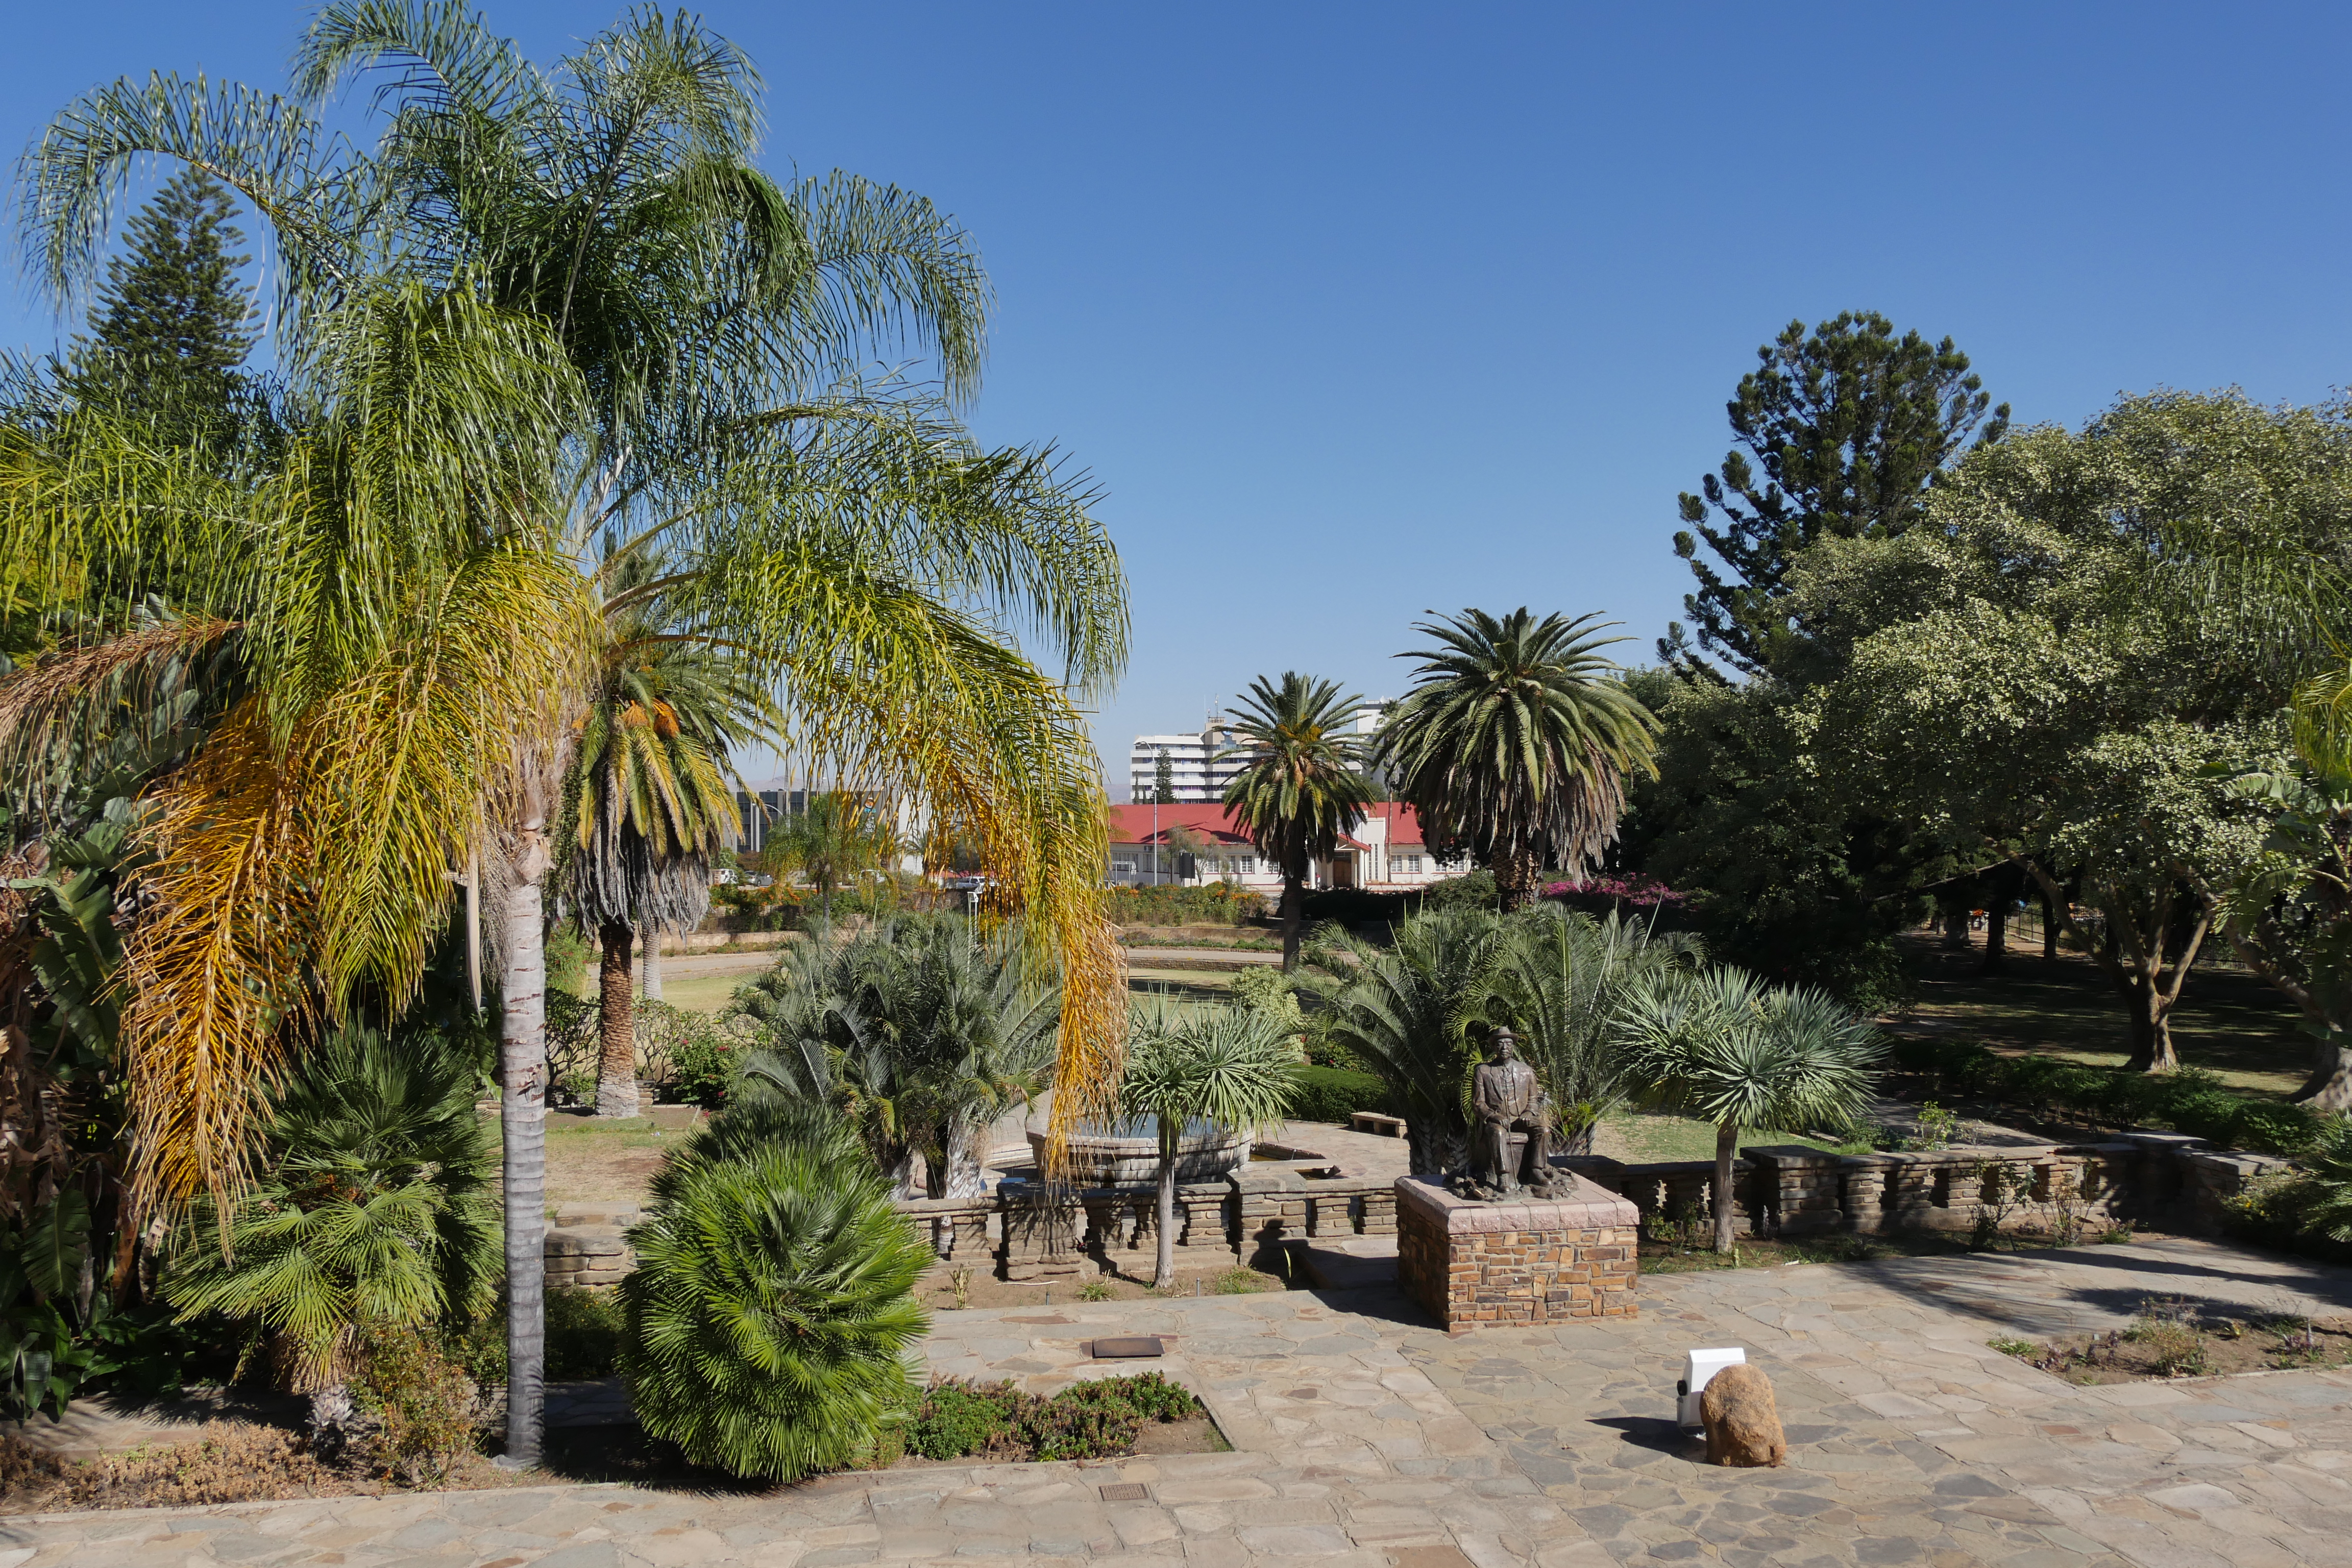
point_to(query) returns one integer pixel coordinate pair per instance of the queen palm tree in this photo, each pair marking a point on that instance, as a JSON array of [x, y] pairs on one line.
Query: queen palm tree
[[1722, 1045], [691, 328], [1514, 743], [1304, 787], [837, 837], [1231, 1068]]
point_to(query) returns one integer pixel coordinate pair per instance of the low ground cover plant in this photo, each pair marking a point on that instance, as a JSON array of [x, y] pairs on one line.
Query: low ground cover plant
[[1097, 1419], [2172, 1337]]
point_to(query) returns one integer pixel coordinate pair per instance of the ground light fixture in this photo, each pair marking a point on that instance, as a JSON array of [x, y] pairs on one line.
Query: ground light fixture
[[1698, 1367]]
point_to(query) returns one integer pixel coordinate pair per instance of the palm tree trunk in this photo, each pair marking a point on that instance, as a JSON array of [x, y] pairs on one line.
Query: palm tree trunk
[[1726, 1138], [964, 1178], [652, 981], [523, 1124], [616, 1064], [1294, 915], [1164, 1267]]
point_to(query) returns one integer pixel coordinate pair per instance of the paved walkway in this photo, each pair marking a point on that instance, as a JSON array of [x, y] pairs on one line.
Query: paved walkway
[[1367, 1439]]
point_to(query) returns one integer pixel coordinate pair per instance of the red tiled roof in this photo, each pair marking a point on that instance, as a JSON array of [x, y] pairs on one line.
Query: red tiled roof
[[1132, 823]]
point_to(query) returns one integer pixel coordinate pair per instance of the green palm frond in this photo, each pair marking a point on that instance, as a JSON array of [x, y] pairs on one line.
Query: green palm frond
[[1514, 743]]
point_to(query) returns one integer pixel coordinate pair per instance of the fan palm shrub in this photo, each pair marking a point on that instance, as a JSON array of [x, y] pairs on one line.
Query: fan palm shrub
[[836, 837], [1229, 1067], [1563, 978], [662, 345], [371, 1208], [1721, 1046], [771, 1311], [1412, 1014], [1304, 787], [1514, 743]]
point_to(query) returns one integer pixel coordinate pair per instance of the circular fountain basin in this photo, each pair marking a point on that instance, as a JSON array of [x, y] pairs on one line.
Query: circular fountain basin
[[1110, 1154]]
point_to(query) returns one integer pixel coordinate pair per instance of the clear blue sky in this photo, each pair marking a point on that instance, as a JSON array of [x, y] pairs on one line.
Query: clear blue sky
[[1360, 311]]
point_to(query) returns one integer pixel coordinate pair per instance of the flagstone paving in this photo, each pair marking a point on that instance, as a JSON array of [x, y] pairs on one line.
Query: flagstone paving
[[1364, 1437]]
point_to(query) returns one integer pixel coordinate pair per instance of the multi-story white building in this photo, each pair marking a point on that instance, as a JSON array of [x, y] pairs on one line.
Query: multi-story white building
[[1195, 770], [1197, 774]]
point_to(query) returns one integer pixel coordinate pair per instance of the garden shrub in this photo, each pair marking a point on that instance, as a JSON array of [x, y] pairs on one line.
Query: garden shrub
[[419, 1402], [1352, 906], [1100, 1419], [583, 1333], [1334, 1094], [2289, 1130], [1472, 891], [957, 1418], [772, 1307], [1216, 903]]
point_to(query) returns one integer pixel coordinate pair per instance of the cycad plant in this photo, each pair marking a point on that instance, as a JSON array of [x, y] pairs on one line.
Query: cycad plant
[[920, 1032], [772, 1314], [1304, 787], [1563, 977], [1514, 743], [372, 1206], [1721, 1046], [1231, 1068], [1413, 1014]]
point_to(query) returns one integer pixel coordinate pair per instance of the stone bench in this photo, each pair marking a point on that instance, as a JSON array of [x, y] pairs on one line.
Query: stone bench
[[1373, 1122]]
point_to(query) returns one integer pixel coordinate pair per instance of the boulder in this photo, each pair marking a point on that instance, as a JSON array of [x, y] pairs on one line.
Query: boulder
[[1742, 1420]]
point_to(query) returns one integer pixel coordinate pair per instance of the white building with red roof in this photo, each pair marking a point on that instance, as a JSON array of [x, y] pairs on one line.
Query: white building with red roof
[[1385, 853]]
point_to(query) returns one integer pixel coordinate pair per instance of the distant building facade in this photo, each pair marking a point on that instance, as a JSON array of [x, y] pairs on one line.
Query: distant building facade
[[1385, 853], [1196, 774]]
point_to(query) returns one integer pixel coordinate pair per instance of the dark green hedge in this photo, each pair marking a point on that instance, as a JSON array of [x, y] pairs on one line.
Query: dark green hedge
[[2188, 1100], [1334, 1094]]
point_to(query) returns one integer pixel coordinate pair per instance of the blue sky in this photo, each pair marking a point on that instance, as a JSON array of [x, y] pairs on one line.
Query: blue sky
[[1360, 311]]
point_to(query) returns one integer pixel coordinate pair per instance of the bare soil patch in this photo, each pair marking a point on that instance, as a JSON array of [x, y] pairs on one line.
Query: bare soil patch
[[221, 1462]]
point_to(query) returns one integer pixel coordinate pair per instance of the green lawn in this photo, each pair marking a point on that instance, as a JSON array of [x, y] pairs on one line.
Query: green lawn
[[702, 993], [2227, 1021]]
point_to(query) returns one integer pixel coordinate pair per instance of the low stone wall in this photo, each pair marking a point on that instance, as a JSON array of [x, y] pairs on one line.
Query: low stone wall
[[2159, 1179], [1541, 1261]]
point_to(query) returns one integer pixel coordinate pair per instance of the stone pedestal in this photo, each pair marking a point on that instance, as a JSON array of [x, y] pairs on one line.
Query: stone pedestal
[[1540, 1261]]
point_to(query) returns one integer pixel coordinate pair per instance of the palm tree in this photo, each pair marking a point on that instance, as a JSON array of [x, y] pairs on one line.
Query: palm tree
[[1407, 1014], [836, 837], [1721, 1046], [1561, 982], [1230, 1066], [1513, 744], [648, 801], [1303, 788], [692, 325]]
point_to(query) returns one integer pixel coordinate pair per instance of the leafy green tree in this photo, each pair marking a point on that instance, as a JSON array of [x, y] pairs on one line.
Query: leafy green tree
[[1563, 979], [1513, 745], [1228, 1067], [373, 1207], [1844, 431], [1792, 880], [1721, 1046], [1302, 790], [771, 1315], [1405, 1013], [173, 322], [2038, 678]]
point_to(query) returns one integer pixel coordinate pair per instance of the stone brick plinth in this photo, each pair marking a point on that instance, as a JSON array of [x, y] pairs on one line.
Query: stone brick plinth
[[1534, 1262]]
